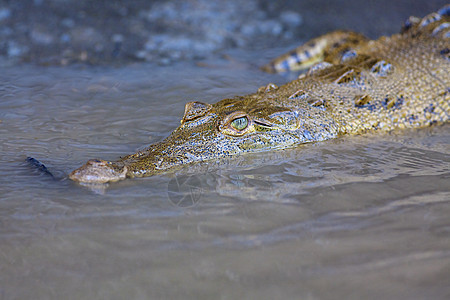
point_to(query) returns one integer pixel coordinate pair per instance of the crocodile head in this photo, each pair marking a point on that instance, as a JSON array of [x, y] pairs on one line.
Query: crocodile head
[[376, 86], [209, 132]]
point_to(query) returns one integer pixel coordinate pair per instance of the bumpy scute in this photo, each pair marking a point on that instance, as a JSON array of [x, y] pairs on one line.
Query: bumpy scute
[[194, 110]]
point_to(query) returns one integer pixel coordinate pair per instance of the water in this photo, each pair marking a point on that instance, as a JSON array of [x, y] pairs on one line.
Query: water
[[362, 217]]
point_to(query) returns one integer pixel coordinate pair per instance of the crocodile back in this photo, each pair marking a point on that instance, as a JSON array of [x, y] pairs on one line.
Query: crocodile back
[[402, 81]]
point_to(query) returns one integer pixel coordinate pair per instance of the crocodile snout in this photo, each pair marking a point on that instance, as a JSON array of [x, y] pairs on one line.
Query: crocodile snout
[[99, 171]]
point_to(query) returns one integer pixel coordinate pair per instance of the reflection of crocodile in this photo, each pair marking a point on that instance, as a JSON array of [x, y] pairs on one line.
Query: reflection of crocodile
[[402, 81]]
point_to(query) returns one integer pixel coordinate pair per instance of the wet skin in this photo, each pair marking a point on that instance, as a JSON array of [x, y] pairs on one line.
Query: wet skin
[[402, 81]]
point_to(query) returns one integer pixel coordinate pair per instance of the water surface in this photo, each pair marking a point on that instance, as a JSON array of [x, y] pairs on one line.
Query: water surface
[[363, 217]]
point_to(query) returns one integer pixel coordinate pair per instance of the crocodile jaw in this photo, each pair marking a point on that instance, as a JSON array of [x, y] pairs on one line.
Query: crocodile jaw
[[99, 171]]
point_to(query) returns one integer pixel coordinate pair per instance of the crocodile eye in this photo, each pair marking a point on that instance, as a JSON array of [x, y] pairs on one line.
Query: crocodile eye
[[240, 123]]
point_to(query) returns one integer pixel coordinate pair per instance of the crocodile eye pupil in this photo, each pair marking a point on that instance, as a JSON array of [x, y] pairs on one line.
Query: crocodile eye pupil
[[240, 123]]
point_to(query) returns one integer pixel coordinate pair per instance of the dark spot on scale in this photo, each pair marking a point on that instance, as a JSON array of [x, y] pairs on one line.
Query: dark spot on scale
[[429, 108], [317, 102], [385, 102], [445, 11], [431, 18], [399, 102], [300, 94], [412, 118], [307, 54], [408, 24], [285, 65], [347, 55], [369, 106], [350, 76], [389, 103], [295, 57], [446, 53], [382, 68], [307, 135]]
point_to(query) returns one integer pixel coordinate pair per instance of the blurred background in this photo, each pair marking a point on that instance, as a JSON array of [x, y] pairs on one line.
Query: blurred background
[[61, 32]]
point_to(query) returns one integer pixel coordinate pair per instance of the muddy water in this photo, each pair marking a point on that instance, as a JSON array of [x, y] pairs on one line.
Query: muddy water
[[363, 217]]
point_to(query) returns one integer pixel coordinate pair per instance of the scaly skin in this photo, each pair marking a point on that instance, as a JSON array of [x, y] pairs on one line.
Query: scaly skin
[[402, 81]]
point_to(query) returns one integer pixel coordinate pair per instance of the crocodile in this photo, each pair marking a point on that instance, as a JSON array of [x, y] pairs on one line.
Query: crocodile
[[354, 85]]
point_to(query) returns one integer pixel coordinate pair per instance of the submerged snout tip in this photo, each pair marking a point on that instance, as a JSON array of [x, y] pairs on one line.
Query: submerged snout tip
[[98, 171]]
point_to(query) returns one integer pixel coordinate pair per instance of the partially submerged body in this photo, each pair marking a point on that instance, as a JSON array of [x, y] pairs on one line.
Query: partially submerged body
[[356, 85]]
